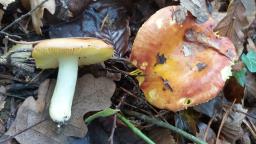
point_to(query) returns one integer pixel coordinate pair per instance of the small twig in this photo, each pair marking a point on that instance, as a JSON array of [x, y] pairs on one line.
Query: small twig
[[10, 35], [251, 127], [225, 116], [239, 111], [208, 126], [23, 16], [104, 22], [13, 136], [22, 42], [111, 137], [134, 129], [167, 125]]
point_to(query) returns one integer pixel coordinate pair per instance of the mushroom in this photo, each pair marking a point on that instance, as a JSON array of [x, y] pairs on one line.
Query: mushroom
[[183, 64], [68, 54]]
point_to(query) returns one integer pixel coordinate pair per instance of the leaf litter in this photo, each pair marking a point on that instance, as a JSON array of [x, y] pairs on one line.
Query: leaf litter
[[240, 15], [101, 21], [38, 14], [113, 21], [92, 94]]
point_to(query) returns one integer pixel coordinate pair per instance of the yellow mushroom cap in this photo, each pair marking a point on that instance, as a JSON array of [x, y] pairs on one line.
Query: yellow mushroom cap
[[89, 51]]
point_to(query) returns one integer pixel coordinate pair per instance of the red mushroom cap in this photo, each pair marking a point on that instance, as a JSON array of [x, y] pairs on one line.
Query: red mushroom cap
[[184, 64]]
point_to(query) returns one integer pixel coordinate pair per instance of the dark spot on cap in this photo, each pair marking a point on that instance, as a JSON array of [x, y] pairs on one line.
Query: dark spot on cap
[[160, 59], [201, 66], [166, 84]]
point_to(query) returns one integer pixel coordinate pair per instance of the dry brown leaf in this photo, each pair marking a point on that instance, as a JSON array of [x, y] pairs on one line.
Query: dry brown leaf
[[239, 16], [250, 9], [216, 15], [233, 90], [5, 3], [197, 8], [232, 129], [211, 135], [38, 14], [92, 94]]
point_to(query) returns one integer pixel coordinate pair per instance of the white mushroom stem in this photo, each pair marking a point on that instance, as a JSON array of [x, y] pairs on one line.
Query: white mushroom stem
[[61, 102]]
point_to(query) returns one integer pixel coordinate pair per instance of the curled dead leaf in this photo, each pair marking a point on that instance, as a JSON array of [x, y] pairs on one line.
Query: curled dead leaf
[[211, 135], [232, 129], [197, 8], [38, 14], [240, 15], [92, 94]]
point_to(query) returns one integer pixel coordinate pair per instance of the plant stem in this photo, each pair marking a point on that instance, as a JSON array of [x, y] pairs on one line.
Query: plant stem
[[167, 125], [134, 129]]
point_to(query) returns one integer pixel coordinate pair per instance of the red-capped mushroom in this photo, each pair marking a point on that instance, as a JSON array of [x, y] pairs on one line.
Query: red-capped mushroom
[[184, 64]]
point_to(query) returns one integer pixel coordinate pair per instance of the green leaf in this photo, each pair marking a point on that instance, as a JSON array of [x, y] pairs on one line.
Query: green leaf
[[240, 76], [250, 60], [104, 113]]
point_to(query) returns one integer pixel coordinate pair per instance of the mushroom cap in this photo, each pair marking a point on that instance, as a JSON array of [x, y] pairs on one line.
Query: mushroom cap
[[89, 51], [179, 73]]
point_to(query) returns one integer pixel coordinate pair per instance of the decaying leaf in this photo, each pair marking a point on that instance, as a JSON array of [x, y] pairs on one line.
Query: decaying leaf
[[233, 90], [92, 94], [38, 14], [232, 129], [240, 15], [212, 107], [250, 9], [211, 136], [197, 8], [104, 19], [215, 13], [5, 3]]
